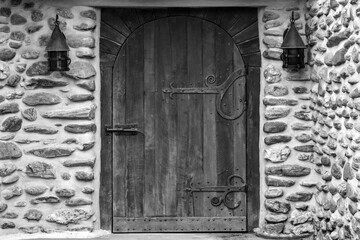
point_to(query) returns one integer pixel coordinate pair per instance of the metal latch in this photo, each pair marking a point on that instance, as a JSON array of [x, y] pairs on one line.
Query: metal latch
[[122, 129]]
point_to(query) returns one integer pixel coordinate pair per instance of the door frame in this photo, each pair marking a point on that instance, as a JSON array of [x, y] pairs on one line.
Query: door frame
[[252, 62]]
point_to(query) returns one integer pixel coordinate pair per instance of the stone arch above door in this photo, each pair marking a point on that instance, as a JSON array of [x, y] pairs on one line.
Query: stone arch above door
[[117, 25]]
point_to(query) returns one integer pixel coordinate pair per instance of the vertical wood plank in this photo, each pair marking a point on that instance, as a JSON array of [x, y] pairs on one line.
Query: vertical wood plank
[[119, 147], [195, 108], [224, 47], [209, 117], [253, 196], [179, 161], [149, 118], [162, 66], [135, 114], [239, 129], [106, 181]]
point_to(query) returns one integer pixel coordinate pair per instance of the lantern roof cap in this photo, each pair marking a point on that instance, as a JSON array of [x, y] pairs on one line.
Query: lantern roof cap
[[292, 37], [57, 40]]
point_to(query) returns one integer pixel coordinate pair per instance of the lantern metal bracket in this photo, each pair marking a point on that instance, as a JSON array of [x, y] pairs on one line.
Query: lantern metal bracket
[[219, 90]]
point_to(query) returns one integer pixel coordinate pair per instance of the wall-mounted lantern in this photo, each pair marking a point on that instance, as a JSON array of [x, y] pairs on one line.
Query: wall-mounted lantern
[[293, 47], [58, 49]]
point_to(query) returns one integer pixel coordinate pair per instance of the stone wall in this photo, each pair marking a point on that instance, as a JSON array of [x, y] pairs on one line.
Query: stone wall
[[286, 142], [333, 26], [49, 141]]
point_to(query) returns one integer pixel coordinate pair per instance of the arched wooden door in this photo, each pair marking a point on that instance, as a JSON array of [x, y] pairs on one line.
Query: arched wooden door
[[179, 129]]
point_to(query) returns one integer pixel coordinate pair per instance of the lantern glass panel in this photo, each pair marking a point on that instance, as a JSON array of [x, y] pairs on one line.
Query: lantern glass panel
[[58, 61]]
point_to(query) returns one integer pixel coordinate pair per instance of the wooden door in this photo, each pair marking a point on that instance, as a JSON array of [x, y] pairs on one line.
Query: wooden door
[[180, 166]]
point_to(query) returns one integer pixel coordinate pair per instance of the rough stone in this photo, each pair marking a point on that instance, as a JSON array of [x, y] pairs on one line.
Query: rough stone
[[335, 39], [52, 151], [20, 204], [86, 84], [9, 150], [17, 19], [11, 192], [301, 217], [39, 169], [11, 124], [5, 29], [88, 14], [272, 74], [85, 53], [85, 26], [7, 225], [36, 189], [288, 170], [276, 112], [65, 13], [276, 90], [32, 229], [19, 67], [300, 126], [299, 196], [38, 68], [278, 182], [4, 70], [3, 206], [277, 155], [277, 206], [348, 173], [84, 176], [303, 115], [66, 176], [41, 98], [34, 83], [33, 215], [270, 15], [81, 97], [88, 190], [13, 80], [80, 128], [41, 129], [277, 139], [304, 138], [33, 28], [67, 216], [65, 192], [30, 54], [87, 113], [273, 193], [77, 41], [45, 199], [11, 179], [304, 148], [272, 53], [29, 114], [339, 57], [274, 127], [5, 12], [15, 45], [7, 169], [36, 15], [6, 54], [79, 162], [17, 36], [336, 171], [78, 201], [273, 228], [81, 70], [10, 215]]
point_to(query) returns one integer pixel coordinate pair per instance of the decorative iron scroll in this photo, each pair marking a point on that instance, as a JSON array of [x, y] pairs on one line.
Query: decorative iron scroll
[[219, 90], [226, 190]]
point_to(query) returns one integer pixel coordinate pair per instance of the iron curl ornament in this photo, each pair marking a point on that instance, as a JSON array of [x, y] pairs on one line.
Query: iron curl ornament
[[220, 90]]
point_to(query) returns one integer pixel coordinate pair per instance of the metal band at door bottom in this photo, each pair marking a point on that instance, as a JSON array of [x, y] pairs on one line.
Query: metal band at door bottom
[[180, 224]]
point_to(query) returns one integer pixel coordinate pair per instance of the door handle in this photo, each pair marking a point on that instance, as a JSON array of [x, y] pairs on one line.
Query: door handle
[[122, 129]]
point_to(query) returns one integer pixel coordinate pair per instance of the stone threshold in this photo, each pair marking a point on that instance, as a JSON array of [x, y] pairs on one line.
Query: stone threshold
[[143, 236]]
